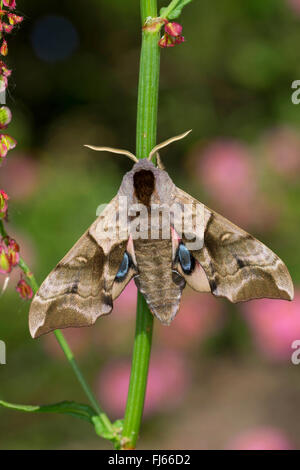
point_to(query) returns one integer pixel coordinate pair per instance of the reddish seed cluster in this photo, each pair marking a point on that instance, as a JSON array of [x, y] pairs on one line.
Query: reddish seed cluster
[[9, 249], [3, 204], [24, 289], [172, 35], [8, 21], [9, 255]]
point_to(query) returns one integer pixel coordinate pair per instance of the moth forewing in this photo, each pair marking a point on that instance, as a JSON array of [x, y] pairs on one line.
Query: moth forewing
[[80, 288]]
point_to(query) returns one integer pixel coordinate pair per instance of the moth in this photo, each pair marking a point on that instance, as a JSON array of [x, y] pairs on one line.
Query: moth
[[228, 263]]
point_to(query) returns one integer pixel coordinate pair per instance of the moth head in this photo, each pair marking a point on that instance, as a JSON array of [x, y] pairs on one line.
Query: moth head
[[133, 157]]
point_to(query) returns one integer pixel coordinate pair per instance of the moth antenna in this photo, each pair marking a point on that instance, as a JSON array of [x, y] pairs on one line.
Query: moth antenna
[[160, 164], [167, 142], [113, 150]]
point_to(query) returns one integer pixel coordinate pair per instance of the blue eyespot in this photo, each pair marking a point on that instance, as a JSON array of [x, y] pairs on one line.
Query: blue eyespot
[[124, 268], [187, 261]]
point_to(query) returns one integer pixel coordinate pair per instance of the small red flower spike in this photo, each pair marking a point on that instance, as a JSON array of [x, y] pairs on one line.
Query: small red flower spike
[[9, 255], [5, 267], [173, 29], [6, 143], [24, 289], [10, 4], [6, 28], [179, 40], [172, 34], [5, 117], [4, 71], [13, 251], [3, 204], [166, 41], [14, 19], [4, 48]]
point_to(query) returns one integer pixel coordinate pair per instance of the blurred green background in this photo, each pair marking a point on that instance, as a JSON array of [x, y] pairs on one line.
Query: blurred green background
[[221, 375]]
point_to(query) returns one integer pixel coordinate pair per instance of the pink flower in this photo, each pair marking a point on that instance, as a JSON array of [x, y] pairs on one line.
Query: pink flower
[[9, 255], [5, 116], [5, 267], [261, 439], [14, 19], [6, 143], [168, 381], [169, 41], [275, 325], [28, 252], [24, 289], [172, 34], [200, 316], [13, 251], [4, 48], [282, 148], [6, 28], [3, 204], [4, 70], [166, 41], [173, 29], [10, 4], [179, 39]]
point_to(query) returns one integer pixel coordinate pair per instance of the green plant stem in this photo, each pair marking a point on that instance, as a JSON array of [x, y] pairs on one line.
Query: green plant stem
[[170, 7], [65, 347], [145, 141]]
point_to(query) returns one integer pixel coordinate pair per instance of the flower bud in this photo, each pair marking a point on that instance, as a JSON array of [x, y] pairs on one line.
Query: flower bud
[[13, 251], [4, 48], [5, 267], [3, 204], [14, 19], [6, 143], [4, 70], [173, 29], [5, 116], [179, 40], [5, 28], [24, 289], [10, 4], [166, 41]]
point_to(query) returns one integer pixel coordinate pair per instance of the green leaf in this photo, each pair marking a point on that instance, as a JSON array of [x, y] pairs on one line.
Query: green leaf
[[65, 407], [174, 12], [72, 408]]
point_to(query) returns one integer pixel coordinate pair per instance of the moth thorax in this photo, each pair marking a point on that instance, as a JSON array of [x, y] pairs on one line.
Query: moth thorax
[[144, 184]]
